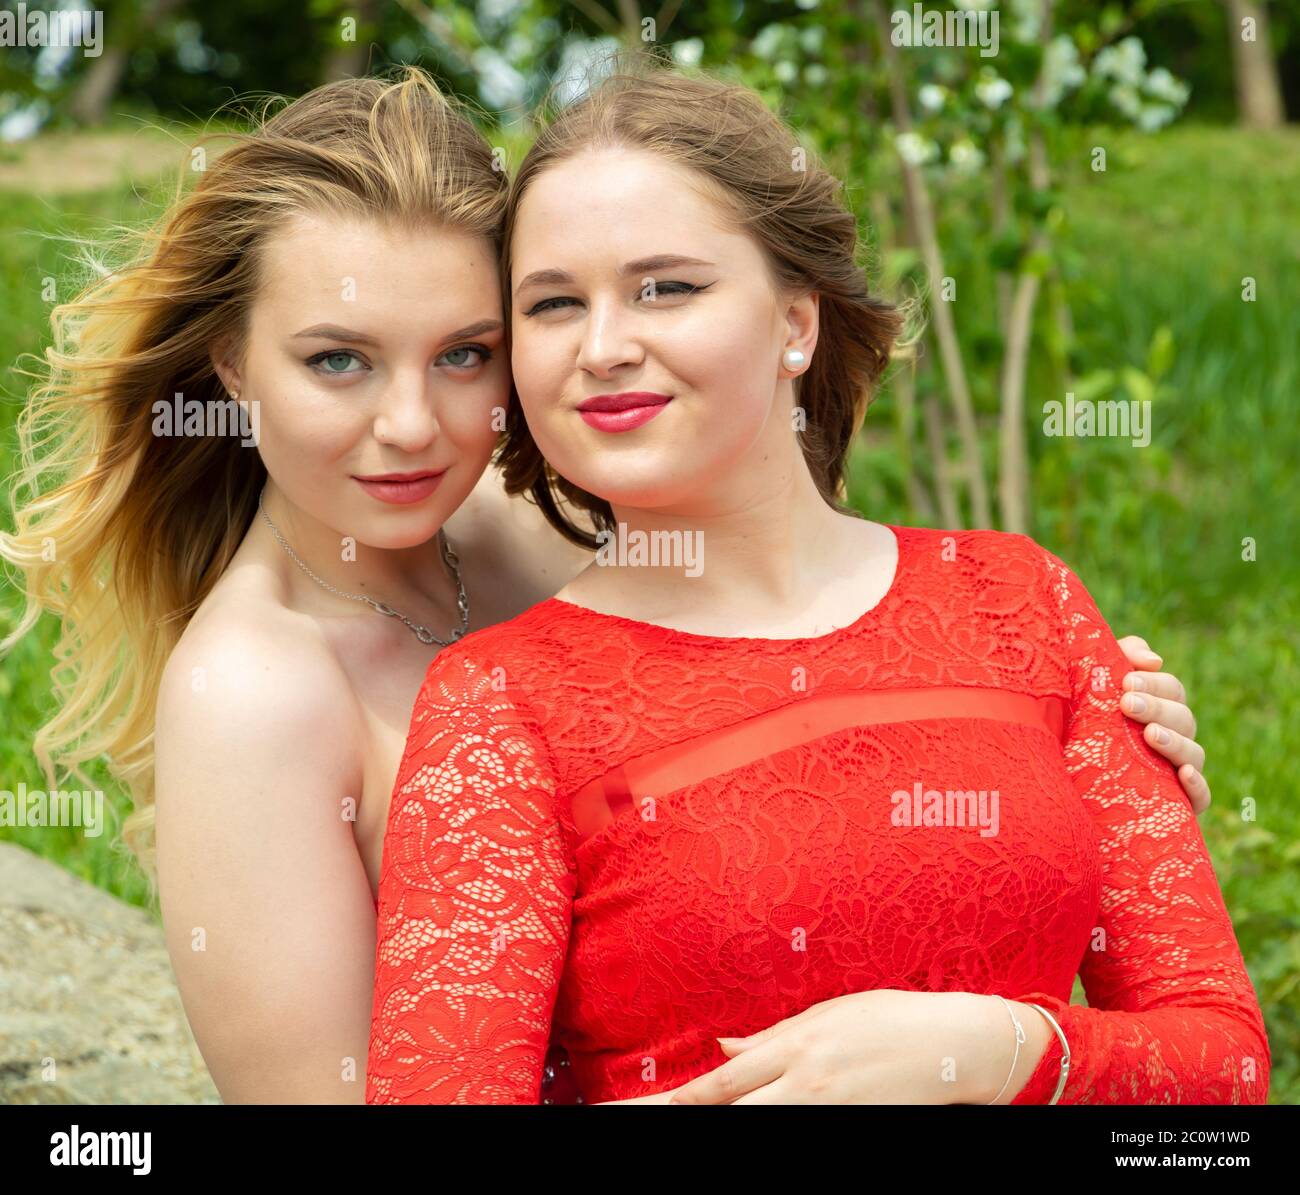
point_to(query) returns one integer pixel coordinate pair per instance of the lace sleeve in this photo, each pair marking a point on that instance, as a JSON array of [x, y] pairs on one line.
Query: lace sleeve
[[1172, 1017], [475, 893]]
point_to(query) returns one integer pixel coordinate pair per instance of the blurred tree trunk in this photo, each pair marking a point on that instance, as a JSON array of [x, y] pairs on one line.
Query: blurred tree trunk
[[629, 13], [936, 427], [441, 28], [90, 101], [1000, 213], [939, 463], [351, 59], [1013, 463], [921, 210], [627, 24], [918, 497], [905, 421], [1259, 97], [1013, 453], [93, 95]]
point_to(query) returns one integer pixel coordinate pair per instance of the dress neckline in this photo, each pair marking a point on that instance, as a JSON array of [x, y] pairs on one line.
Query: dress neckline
[[861, 620]]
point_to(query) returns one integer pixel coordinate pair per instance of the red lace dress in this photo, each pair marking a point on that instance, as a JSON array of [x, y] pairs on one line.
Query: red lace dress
[[639, 839], [558, 1086]]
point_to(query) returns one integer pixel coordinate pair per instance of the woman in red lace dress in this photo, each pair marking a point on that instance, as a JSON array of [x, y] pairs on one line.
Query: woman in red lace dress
[[859, 795]]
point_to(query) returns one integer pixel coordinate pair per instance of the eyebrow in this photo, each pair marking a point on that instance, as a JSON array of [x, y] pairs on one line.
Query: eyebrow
[[642, 265], [348, 336]]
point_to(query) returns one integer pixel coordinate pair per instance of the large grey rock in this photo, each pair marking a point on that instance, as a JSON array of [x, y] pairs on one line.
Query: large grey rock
[[85, 981]]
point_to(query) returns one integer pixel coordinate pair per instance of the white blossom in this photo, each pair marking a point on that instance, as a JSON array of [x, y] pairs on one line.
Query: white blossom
[[688, 52], [21, 123], [1155, 116], [915, 149], [498, 10], [965, 156], [499, 83], [992, 90], [1125, 63], [1062, 70], [1126, 99], [582, 63], [812, 37], [932, 96], [1026, 16], [768, 41], [1014, 150], [1161, 84]]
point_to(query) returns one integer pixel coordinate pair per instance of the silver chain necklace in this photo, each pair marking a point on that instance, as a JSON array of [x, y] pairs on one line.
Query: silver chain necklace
[[422, 633]]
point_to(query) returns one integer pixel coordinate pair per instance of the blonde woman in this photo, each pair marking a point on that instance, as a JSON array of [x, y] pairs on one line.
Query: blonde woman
[[245, 626]]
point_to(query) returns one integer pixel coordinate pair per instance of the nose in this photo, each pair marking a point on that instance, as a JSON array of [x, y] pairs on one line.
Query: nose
[[608, 339], [407, 416]]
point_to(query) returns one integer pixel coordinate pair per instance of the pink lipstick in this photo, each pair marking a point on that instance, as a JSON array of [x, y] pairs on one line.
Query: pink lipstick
[[622, 412], [401, 489]]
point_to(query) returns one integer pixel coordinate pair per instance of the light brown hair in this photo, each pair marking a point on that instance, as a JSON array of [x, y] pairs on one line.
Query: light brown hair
[[789, 203]]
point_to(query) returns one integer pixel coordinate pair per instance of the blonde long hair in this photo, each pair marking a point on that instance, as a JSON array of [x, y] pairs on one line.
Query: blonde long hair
[[122, 533]]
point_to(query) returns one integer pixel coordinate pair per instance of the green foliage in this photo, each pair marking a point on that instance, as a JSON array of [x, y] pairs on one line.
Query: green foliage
[[1162, 241], [37, 233], [1150, 255]]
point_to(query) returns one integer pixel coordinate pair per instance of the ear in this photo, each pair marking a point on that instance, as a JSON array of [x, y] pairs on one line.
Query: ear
[[226, 365], [801, 321]]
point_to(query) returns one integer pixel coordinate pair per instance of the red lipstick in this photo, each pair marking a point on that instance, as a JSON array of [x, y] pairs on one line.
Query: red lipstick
[[622, 412]]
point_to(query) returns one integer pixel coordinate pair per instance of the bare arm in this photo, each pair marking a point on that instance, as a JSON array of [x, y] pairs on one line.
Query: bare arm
[[266, 906]]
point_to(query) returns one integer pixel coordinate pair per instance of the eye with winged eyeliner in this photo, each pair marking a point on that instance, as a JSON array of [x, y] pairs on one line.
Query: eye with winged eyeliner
[[671, 289], [639, 267]]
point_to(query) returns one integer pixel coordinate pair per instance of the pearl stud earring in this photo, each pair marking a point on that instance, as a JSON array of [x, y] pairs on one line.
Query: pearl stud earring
[[794, 359]]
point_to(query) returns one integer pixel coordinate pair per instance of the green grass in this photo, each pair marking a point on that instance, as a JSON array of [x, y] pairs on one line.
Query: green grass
[[36, 231], [1162, 239]]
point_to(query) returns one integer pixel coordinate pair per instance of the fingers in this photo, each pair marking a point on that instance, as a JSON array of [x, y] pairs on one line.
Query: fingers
[[1139, 652], [1173, 715], [1159, 700], [1160, 684], [1176, 748], [1195, 786], [732, 1079]]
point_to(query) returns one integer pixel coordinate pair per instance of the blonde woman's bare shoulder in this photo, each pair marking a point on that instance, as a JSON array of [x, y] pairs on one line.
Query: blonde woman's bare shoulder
[[252, 676]]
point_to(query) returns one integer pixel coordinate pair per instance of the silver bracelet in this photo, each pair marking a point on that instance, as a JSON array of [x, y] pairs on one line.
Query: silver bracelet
[[1020, 1040], [1065, 1051]]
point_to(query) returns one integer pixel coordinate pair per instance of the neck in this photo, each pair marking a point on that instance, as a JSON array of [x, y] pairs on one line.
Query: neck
[[770, 543], [414, 580]]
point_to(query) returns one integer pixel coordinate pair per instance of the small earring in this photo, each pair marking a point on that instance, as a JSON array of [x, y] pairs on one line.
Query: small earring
[[794, 359]]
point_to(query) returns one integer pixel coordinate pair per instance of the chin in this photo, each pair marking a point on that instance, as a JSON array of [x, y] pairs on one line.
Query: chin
[[408, 529], [647, 489], [423, 535]]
